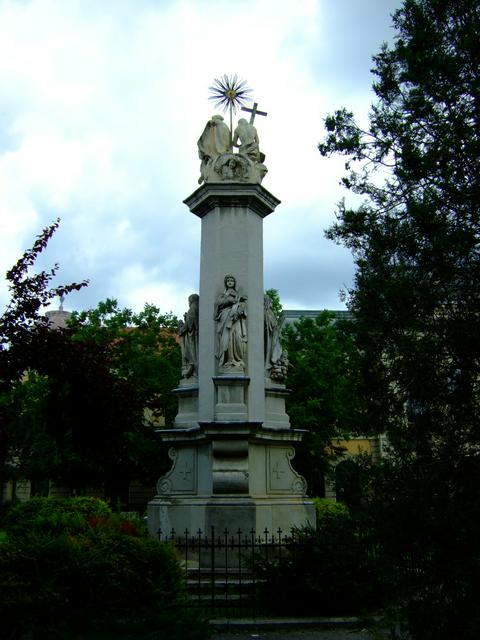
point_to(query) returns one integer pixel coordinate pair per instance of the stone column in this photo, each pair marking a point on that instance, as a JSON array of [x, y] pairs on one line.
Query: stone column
[[232, 243]]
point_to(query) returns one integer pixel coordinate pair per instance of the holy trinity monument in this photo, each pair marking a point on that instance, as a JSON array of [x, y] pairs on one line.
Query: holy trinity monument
[[232, 445]]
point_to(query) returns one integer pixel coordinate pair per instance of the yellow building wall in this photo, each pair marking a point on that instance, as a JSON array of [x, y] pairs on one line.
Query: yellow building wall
[[355, 447], [351, 448]]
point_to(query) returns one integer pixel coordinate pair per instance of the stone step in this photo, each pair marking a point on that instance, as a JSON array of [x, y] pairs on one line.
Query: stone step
[[222, 589], [227, 597], [221, 586]]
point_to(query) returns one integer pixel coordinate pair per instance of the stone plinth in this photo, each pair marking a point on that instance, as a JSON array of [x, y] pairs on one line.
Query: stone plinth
[[187, 394]]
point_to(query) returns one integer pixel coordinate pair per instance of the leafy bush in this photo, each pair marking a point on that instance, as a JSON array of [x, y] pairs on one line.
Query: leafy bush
[[326, 571], [77, 570], [55, 515]]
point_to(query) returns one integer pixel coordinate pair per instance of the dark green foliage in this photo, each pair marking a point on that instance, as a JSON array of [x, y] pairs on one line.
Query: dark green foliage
[[73, 401], [322, 398], [30, 292], [72, 569], [22, 329], [142, 347], [416, 300], [70, 414], [54, 516], [415, 240], [348, 485], [330, 571], [276, 304], [423, 516]]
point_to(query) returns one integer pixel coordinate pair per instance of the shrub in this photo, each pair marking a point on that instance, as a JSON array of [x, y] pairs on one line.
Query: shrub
[[326, 571], [98, 577], [54, 515]]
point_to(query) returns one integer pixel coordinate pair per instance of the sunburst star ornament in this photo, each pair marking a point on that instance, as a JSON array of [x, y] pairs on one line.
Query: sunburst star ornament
[[229, 92]]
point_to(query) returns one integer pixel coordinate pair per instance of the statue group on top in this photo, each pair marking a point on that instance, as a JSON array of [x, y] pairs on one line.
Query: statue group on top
[[219, 162], [216, 150]]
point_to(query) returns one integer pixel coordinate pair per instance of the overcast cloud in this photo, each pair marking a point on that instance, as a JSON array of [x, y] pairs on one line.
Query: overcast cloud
[[102, 103]]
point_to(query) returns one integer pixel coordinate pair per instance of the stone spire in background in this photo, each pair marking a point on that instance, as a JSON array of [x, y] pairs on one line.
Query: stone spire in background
[[58, 318]]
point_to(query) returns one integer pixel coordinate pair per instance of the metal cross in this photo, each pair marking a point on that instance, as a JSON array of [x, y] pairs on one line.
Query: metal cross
[[254, 112]]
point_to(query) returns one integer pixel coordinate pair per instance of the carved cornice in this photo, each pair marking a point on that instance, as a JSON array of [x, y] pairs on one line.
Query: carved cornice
[[228, 195]]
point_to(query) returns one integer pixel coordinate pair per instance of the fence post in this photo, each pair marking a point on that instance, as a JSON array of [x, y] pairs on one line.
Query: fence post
[[225, 562], [212, 569], [186, 553]]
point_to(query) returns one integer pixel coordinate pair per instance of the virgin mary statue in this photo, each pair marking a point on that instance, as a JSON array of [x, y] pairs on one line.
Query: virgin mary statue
[[231, 318]]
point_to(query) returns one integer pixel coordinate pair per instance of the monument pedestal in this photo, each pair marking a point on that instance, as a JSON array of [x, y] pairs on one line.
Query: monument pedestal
[[230, 476], [232, 445]]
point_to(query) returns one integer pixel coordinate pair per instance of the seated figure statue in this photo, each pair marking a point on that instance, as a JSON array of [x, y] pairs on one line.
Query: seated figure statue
[[246, 133]]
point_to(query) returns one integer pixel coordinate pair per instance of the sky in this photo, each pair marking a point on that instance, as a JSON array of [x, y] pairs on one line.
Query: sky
[[101, 106]]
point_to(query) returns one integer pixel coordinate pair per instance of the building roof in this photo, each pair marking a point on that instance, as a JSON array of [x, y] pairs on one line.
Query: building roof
[[292, 315]]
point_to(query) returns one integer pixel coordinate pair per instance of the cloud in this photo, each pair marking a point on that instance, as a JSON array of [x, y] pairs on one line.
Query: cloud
[[101, 107]]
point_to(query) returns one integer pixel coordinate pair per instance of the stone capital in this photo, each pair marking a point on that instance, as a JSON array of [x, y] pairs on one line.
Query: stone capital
[[236, 195]]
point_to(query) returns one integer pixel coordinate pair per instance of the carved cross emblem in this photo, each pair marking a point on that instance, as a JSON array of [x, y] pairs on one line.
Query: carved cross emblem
[[277, 470], [185, 472]]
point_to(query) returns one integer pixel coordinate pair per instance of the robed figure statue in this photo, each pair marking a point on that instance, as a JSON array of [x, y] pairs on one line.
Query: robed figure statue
[[276, 359], [188, 332], [231, 318], [214, 141]]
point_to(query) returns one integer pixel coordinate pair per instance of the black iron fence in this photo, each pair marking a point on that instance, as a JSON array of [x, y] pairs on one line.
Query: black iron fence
[[223, 570], [335, 570]]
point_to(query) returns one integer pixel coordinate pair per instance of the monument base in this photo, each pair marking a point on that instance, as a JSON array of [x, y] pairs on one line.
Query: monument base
[[235, 475], [231, 513]]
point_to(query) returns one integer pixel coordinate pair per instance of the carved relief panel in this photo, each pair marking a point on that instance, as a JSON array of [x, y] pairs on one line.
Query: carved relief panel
[[281, 477], [182, 477]]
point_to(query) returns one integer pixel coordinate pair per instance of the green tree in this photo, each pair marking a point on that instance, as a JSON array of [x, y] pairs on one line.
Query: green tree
[[143, 350], [74, 401], [416, 299], [22, 330], [322, 399], [276, 304]]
